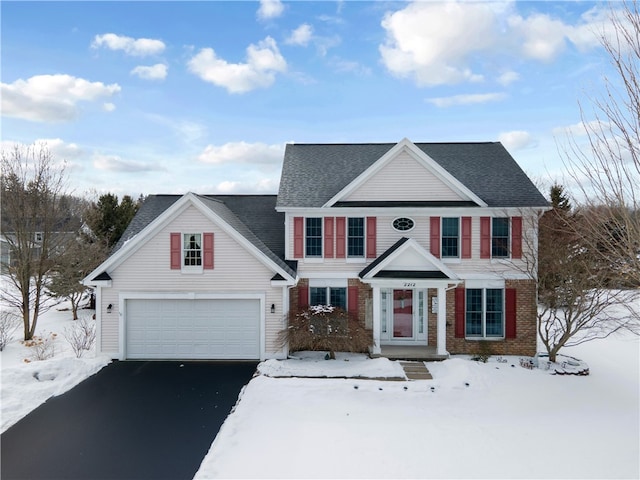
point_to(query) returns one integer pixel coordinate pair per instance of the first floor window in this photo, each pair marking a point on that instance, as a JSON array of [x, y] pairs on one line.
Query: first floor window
[[192, 249], [313, 235], [484, 316], [450, 236], [500, 237], [335, 296], [355, 239]]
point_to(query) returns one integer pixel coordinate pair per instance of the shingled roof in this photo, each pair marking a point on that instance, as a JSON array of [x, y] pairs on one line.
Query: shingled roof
[[253, 216], [312, 174]]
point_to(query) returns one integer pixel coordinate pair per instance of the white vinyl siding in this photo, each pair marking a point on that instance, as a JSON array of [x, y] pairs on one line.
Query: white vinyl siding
[[416, 181], [148, 270]]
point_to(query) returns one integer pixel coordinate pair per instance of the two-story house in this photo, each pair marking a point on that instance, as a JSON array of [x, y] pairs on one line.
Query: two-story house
[[430, 244]]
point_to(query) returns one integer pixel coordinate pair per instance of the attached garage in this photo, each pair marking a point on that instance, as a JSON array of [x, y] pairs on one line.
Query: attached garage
[[185, 328]]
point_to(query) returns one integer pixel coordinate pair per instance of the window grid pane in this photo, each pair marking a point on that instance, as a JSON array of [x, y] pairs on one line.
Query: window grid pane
[[494, 314], [338, 297], [474, 312], [355, 240], [313, 237], [500, 238], [383, 303], [450, 237], [317, 296], [192, 250]]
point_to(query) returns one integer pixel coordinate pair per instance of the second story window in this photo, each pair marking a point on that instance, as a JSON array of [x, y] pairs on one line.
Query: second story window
[[355, 239], [450, 237], [313, 237], [500, 237], [192, 249]]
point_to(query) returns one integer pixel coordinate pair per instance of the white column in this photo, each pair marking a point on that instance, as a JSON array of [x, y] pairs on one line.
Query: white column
[[376, 321], [442, 322]]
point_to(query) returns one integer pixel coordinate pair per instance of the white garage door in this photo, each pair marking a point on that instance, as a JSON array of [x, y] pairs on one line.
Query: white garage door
[[193, 329]]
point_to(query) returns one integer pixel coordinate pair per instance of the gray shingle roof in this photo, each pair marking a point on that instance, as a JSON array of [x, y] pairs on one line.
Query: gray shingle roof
[[253, 216], [313, 173]]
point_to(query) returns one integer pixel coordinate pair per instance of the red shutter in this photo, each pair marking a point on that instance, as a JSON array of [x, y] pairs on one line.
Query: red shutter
[[207, 244], [510, 313], [298, 237], [435, 236], [460, 312], [303, 297], [485, 237], [352, 300], [176, 248], [466, 237], [340, 237], [328, 237], [516, 237], [371, 237]]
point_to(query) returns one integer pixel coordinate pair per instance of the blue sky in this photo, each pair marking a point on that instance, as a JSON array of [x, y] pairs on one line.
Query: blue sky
[[170, 97]]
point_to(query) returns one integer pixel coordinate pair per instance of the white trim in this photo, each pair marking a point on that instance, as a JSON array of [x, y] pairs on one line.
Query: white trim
[[431, 165], [98, 293], [412, 211], [124, 296], [328, 282], [413, 244]]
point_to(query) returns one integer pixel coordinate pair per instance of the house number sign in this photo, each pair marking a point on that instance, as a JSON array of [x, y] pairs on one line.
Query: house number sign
[[409, 284]]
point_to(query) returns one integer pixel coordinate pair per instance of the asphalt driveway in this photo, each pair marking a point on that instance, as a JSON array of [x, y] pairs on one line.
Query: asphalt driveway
[[132, 420]]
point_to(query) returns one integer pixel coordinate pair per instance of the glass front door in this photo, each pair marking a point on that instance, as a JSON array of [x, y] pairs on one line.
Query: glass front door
[[403, 314]]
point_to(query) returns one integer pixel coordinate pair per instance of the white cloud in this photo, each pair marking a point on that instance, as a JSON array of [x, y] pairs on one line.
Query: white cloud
[[137, 47], [108, 107], [581, 129], [433, 42], [301, 35], [270, 9], [243, 152], [516, 140], [59, 149], [51, 98], [263, 62], [114, 163], [153, 72], [348, 66], [439, 43], [469, 99], [508, 77], [543, 38]]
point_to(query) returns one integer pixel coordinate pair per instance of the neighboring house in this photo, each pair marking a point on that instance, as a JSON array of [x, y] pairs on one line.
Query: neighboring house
[[425, 242]]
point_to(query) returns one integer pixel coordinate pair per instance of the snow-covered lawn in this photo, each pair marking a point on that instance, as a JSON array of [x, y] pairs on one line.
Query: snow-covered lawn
[[27, 384], [473, 420]]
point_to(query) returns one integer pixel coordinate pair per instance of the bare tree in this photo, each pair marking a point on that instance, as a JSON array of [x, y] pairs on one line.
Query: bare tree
[[606, 167], [32, 187], [576, 303]]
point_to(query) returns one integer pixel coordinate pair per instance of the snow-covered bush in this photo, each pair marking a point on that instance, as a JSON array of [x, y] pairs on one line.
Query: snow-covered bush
[[9, 323], [325, 328], [81, 335], [42, 348]]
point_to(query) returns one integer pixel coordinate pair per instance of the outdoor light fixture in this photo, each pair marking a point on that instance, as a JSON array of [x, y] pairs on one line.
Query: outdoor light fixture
[[109, 308], [273, 308]]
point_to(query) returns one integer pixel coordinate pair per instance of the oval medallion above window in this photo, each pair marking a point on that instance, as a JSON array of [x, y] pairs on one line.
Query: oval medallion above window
[[403, 224]]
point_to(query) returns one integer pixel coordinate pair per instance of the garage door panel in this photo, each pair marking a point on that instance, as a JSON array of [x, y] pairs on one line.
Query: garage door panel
[[193, 329]]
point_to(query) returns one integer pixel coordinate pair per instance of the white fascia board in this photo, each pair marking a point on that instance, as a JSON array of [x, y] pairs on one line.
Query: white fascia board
[[414, 245], [232, 232], [97, 283], [429, 163], [410, 211]]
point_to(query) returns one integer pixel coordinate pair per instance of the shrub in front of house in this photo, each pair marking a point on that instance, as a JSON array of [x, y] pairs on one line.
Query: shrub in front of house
[[325, 328]]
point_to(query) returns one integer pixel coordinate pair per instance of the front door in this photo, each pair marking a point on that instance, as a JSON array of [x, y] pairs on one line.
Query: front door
[[403, 314]]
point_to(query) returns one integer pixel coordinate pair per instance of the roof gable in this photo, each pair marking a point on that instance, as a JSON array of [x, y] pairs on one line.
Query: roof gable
[[312, 174], [162, 212], [419, 177], [406, 255]]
